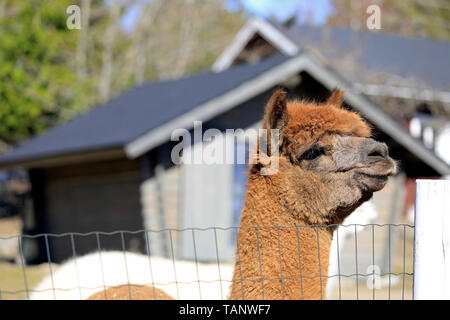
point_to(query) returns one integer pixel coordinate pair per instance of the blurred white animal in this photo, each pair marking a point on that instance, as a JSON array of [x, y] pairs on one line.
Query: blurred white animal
[[77, 279]]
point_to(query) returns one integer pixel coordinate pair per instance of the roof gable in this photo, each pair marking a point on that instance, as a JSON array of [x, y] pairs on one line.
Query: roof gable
[[255, 26], [422, 62]]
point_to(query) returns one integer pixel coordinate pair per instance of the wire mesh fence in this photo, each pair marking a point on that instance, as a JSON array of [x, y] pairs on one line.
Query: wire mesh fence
[[371, 261]]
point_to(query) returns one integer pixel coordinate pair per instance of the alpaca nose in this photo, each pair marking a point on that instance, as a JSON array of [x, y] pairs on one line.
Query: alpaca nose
[[378, 149]]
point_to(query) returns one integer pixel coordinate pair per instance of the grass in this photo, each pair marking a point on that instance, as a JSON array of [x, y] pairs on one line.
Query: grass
[[12, 280], [10, 226]]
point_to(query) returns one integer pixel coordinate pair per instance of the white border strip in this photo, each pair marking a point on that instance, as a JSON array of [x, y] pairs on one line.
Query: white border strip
[[432, 240]]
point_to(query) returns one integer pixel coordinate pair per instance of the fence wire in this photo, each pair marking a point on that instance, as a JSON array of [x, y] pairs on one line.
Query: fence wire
[[367, 261]]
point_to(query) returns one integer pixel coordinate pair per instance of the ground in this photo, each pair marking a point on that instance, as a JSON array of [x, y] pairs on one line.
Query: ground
[[12, 280], [398, 291]]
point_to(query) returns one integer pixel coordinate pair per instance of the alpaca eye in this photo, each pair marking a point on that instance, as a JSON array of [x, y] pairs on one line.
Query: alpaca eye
[[312, 154]]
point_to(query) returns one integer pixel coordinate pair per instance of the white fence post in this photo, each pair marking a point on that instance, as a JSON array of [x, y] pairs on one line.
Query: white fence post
[[432, 240]]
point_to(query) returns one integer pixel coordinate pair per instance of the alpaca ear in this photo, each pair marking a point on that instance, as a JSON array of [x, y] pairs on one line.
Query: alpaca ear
[[275, 117], [336, 98]]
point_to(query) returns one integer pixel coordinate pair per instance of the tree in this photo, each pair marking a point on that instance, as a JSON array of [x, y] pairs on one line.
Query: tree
[[49, 73], [36, 79], [175, 38], [83, 39], [423, 18]]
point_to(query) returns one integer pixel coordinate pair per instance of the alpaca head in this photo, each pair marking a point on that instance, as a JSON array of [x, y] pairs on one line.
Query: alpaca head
[[328, 163]]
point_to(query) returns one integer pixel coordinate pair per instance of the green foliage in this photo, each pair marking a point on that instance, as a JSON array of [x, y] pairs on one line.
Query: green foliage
[[429, 18], [40, 80], [415, 18], [36, 77]]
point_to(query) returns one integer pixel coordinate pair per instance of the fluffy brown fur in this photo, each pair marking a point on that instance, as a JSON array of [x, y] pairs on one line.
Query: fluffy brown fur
[[137, 293]]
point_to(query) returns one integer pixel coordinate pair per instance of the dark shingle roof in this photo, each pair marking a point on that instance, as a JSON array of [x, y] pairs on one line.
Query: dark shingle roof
[[134, 113], [425, 60]]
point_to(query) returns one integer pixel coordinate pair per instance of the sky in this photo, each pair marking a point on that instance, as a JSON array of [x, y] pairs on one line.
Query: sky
[[316, 11], [311, 11]]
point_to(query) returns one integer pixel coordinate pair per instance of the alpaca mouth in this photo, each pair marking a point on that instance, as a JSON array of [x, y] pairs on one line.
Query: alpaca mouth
[[371, 181], [380, 170], [376, 176]]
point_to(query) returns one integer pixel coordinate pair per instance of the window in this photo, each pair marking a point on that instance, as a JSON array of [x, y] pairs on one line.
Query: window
[[240, 175]]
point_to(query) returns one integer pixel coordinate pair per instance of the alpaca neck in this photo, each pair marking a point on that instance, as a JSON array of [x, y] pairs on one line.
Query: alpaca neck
[[276, 257]]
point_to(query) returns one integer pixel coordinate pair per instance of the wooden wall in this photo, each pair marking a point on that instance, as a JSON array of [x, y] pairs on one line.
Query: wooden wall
[[101, 196]]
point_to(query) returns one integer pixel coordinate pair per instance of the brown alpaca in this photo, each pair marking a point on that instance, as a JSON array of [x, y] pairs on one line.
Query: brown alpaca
[[328, 166], [137, 293]]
